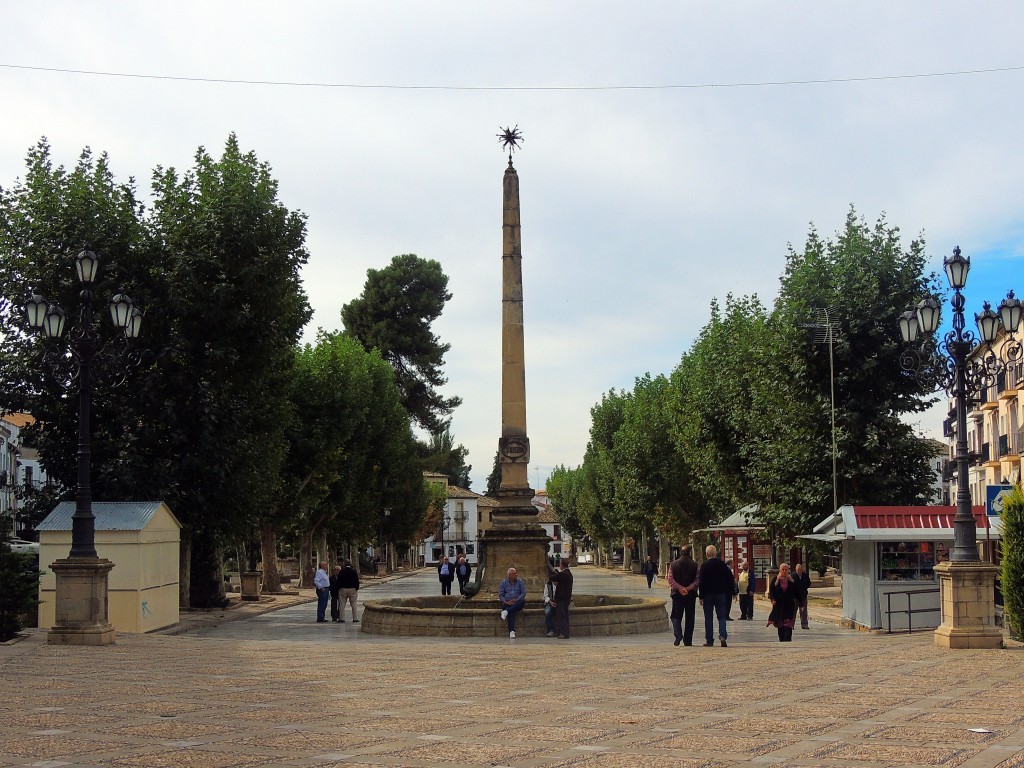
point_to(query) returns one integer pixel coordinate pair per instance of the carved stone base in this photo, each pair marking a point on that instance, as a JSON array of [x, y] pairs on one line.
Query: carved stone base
[[252, 585], [524, 548], [81, 613], [968, 606]]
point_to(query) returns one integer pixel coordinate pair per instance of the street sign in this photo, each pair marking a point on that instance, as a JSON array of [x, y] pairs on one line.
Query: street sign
[[996, 495]]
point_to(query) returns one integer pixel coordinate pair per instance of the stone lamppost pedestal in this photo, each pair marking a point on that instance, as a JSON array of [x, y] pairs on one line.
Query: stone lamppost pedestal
[[252, 585], [968, 606], [82, 612]]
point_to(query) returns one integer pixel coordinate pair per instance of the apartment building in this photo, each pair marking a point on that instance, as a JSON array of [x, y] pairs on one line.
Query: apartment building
[[995, 432]]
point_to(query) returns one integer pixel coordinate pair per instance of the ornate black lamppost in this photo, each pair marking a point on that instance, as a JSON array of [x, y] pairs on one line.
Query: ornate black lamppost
[[963, 365], [81, 600]]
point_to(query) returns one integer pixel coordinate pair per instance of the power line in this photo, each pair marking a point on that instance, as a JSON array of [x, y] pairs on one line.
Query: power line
[[399, 87]]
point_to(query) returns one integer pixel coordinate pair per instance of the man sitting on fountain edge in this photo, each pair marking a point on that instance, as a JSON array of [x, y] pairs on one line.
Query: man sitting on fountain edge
[[512, 595]]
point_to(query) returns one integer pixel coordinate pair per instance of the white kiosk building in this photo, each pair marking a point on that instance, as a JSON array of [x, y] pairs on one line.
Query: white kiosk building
[[889, 556]]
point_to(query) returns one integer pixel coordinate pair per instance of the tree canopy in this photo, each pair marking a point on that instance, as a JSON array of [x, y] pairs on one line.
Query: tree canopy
[[745, 417], [394, 315]]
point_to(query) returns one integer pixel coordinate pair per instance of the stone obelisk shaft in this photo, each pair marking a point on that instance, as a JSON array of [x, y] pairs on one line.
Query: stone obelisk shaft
[[514, 446]]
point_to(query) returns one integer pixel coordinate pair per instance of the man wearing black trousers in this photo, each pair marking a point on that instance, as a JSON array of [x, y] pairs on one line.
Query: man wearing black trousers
[[682, 580], [802, 579]]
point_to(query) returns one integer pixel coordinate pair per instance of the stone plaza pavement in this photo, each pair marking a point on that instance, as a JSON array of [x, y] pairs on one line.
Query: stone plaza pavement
[[278, 689]]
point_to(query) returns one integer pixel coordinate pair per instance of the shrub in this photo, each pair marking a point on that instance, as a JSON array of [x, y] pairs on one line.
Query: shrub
[[1013, 562], [19, 590]]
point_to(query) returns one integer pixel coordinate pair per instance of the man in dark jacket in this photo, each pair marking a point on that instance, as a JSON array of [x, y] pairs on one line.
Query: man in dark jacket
[[446, 575], [716, 589], [463, 570], [348, 589], [802, 579], [682, 580], [335, 613], [562, 579]]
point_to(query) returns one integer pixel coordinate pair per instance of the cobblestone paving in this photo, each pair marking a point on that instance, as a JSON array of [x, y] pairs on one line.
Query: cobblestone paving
[[279, 690]]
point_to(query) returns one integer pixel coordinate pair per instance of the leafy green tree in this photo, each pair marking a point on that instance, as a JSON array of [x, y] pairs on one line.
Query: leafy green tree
[[394, 315], [440, 454], [366, 456], [19, 588], [866, 278], [231, 308], [711, 422], [1013, 562], [653, 481], [494, 479]]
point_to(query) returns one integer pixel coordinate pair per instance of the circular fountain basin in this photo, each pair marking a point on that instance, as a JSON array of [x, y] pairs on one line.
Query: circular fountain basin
[[452, 616]]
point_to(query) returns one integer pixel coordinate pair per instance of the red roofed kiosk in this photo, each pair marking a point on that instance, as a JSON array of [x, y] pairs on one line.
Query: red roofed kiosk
[[889, 556]]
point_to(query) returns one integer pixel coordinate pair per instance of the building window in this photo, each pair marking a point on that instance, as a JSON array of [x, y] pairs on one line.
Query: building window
[[28, 477], [471, 549]]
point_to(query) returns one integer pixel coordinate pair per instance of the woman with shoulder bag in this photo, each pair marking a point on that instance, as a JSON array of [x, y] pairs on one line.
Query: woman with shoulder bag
[[783, 594]]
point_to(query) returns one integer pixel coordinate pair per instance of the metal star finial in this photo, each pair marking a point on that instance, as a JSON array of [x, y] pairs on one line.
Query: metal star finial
[[510, 139]]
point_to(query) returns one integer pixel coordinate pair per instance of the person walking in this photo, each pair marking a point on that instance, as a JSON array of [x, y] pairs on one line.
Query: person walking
[[650, 570], [562, 579], [512, 596], [682, 582], [802, 579], [463, 570], [747, 584], [783, 594], [446, 575], [715, 588], [348, 590], [335, 614], [322, 583]]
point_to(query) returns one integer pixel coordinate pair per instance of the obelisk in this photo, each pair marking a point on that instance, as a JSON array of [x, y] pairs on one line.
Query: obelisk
[[515, 538]]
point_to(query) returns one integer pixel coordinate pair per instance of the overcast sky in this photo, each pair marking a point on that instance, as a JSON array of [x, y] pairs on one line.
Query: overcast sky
[[639, 205]]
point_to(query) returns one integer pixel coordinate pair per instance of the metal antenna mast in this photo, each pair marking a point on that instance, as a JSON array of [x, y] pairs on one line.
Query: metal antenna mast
[[825, 327]]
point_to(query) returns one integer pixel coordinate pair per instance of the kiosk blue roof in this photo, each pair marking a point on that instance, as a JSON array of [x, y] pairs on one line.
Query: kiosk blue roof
[[110, 515]]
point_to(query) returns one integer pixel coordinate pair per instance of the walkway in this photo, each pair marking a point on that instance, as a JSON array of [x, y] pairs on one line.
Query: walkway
[[280, 690]]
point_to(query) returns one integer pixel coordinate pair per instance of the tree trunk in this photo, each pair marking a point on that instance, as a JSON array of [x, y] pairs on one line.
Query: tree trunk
[[241, 554], [323, 553], [185, 569], [207, 578], [307, 568], [663, 554], [627, 554], [268, 546]]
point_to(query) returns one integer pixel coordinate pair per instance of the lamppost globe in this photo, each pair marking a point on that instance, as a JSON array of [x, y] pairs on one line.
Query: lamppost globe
[[928, 313], [53, 322], [1010, 312], [86, 265], [909, 326], [988, 323], [35, 311], [121, 310], [956, 268]]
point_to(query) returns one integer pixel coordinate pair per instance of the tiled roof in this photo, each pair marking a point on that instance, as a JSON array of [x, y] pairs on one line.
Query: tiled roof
[[19, 419], [455, 492], [546, 515], [912, 517]]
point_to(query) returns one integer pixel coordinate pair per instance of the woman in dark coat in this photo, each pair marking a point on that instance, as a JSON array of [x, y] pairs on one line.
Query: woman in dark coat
[[783, 593], [650, 570]]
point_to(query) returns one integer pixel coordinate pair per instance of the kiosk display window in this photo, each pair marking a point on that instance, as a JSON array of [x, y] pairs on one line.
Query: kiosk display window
[[906, 560]]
